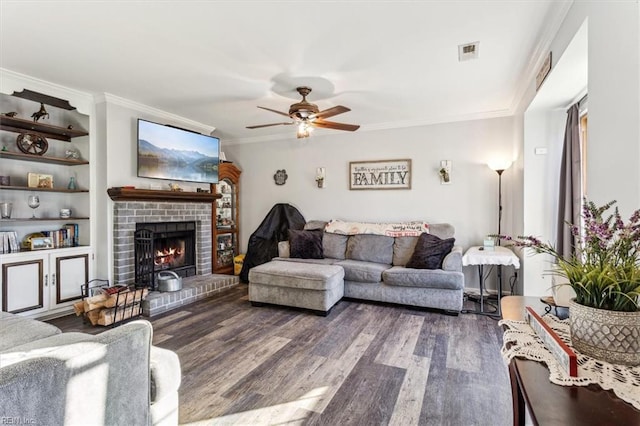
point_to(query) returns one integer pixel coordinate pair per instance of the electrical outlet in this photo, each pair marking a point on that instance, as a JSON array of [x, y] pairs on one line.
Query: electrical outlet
[[540, 150]]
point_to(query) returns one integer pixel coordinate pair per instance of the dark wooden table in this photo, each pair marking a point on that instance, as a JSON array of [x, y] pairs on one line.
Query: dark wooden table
[[551, 404]]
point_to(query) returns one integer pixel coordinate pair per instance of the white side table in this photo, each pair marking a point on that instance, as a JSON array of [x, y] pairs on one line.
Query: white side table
[[500, 256]]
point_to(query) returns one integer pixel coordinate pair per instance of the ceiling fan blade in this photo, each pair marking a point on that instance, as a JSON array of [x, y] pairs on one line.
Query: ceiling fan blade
[[268, 125], [333, 125], [330, 112], [273, 110]]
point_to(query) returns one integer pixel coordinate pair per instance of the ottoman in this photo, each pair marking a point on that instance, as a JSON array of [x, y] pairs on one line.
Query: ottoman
[[302, 285]]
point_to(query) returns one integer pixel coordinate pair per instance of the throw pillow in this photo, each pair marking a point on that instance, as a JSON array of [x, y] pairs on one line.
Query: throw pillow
[[305, 244], [430, 251]]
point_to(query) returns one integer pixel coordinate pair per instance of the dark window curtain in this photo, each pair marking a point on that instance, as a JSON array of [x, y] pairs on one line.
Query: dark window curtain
[[570, 196]]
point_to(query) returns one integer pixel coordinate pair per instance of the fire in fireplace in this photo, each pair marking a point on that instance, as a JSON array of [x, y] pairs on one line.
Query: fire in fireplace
[[164, 246], [171, 255]]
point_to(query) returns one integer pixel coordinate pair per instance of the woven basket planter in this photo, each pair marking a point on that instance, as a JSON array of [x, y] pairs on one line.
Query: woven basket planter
[[609, 336]]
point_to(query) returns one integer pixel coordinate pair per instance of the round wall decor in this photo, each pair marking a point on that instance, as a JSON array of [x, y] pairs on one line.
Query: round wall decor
[[32, 143], [280, 178]]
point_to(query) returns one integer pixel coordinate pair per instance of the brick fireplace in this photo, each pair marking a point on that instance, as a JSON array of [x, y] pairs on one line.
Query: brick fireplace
[[127, 214], [133, 206]]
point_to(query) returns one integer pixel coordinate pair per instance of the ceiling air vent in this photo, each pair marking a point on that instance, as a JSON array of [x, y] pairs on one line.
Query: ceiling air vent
[[468, 51]]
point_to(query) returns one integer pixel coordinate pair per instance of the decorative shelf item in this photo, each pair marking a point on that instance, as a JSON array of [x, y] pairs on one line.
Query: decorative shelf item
[[133, 194], [32, 143]]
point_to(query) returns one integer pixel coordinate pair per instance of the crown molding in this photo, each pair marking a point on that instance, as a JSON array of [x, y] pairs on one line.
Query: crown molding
[[137, 106]]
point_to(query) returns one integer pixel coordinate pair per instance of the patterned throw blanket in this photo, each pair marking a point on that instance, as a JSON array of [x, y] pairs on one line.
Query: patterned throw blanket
[[400, 229]]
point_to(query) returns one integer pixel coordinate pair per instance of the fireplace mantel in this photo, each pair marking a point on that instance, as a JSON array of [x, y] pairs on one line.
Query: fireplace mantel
[[134, 194]]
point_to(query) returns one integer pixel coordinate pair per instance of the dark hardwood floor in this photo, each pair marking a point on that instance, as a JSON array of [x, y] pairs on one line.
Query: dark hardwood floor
[[364, 364]]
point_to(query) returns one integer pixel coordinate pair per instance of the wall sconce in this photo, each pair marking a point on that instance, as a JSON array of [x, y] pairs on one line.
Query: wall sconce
[[445, 172], [320, 175]]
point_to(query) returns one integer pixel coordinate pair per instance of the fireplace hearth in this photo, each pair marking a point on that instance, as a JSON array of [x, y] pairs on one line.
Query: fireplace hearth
[[126, 214]]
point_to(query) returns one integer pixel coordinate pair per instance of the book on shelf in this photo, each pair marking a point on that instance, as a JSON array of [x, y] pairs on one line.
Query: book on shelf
[[9, 242], [67, 236]]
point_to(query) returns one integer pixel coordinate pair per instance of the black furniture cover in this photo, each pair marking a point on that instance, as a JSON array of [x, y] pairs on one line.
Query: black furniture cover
[[263, 243]]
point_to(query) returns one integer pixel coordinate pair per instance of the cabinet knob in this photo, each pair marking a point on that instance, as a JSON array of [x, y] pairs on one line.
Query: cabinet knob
[[53, 280], [46, 280]]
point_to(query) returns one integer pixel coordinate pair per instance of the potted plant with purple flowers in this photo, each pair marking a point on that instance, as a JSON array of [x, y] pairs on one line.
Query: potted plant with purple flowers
[[605, 275]]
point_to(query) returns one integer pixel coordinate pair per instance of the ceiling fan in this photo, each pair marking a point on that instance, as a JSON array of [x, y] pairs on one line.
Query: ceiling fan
[[307, 115]]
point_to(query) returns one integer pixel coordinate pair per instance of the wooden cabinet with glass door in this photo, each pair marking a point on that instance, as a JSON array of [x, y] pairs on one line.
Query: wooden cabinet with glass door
[[225, 210]]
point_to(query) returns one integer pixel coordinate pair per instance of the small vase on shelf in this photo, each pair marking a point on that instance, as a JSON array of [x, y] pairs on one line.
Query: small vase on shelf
[[72, 183]]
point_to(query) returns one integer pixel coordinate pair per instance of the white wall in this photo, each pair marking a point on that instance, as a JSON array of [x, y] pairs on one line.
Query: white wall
[[614, 110], [543, 129], [614, 104], [103, 241], [469, 202]]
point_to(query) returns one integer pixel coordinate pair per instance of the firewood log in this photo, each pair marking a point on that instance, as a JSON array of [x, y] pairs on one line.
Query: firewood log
[[91, 303], [78, 307]]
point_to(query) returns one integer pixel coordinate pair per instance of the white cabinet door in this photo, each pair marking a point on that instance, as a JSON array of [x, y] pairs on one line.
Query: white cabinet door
[[44, 282], [69, 271], [25, 283]]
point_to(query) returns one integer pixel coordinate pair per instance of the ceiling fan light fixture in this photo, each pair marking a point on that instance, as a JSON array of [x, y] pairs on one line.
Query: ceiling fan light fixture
[[304, 130], [307, 116]]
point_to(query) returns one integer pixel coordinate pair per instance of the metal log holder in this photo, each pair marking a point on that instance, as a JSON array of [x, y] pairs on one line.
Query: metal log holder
[[126, 303]]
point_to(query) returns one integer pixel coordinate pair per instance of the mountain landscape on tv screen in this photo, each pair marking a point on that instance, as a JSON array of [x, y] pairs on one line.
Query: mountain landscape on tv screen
[[177, 164]]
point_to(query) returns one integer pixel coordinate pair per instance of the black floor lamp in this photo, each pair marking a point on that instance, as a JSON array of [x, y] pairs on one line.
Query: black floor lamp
[[499, 167]]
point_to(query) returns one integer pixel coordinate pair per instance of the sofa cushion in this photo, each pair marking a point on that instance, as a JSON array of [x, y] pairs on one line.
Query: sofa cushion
[[370, 248], [425, 278], [403, 248], [453, 261], [297, 275], [429, 252], [361, 271], [41, 347], [16, 330], [334, 245], [306, 244], [164, 366]]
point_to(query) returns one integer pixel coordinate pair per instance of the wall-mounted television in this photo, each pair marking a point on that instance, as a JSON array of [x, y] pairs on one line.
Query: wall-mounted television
[[167, 152]]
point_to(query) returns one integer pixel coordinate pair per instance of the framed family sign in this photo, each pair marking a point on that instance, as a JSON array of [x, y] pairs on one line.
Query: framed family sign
[[381, 174]]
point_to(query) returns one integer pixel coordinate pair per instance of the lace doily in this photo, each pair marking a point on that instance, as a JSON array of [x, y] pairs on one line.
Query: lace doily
[[520, 340]]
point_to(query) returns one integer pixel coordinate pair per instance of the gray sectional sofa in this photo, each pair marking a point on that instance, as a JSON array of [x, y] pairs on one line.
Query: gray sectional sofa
[[374, 269], [116, 377]]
